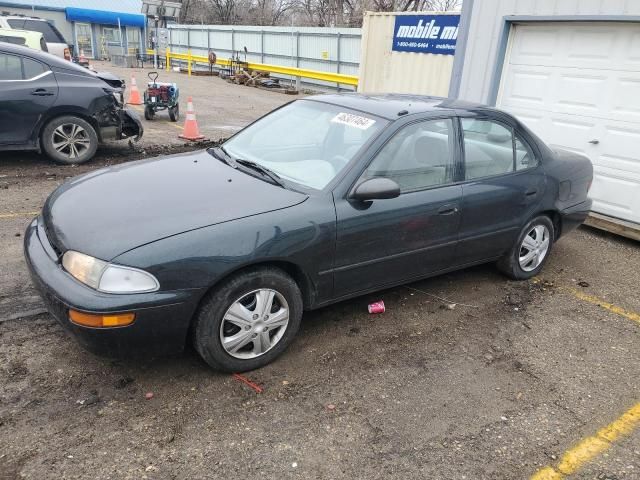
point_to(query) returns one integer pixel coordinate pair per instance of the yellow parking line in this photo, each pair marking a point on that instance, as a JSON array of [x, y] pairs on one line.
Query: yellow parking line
[[585, 451], [18, 214], [598, 301], [606, 305], [177, 126]]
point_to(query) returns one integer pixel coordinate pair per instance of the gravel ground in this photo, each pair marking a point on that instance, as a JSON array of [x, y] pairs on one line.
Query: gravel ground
[[493, 390]]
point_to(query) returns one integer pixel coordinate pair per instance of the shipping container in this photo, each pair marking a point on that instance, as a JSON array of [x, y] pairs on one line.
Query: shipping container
[[395, 54]]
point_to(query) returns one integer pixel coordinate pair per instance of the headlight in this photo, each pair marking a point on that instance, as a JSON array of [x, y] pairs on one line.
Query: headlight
[[106, 277]]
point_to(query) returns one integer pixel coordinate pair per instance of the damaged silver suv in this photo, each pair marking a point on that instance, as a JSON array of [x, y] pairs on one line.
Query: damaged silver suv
[[52, 105]]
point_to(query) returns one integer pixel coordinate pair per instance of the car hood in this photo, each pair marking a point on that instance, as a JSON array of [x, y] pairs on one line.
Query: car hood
[[110, 79], [112, 210]]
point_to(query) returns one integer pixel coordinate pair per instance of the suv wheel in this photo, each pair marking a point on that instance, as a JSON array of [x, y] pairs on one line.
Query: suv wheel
[[248, 321], [69, 140]]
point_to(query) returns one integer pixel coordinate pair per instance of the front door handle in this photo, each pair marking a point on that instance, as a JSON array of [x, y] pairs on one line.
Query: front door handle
[[448, 209], [41, 92]]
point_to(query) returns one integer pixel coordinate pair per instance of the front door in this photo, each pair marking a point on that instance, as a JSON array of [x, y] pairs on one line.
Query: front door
[[385, 242], [27, 90]]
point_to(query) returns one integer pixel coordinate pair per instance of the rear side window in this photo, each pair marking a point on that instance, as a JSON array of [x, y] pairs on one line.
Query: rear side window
[[524, 155], [13, 67], [31, 68], [488, 148], [10, 67], [50, 33], [14, 40]]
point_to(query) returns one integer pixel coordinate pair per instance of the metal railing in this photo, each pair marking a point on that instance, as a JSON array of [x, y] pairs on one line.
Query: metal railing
[[328, 50], [297, 73]]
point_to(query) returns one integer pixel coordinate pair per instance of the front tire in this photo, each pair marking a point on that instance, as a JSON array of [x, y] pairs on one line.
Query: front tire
[[149, 112], [531, 250], [69, 140], [249, 320], [174, 113]]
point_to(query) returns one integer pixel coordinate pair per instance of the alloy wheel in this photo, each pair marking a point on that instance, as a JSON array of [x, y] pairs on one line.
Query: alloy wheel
[[254, 323], [71, 140], [534, 248]]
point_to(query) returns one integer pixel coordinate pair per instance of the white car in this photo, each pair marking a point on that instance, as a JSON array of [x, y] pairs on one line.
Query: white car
[[56, 44]]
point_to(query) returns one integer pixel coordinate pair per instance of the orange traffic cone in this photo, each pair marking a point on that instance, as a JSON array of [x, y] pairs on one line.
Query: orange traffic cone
[[134, 95], [82, 58], [190, 131]]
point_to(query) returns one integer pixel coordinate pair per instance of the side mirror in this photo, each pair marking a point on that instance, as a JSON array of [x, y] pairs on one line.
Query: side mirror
[[376, 189]]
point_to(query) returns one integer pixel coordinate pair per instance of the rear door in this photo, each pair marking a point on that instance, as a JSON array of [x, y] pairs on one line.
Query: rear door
[[28, 89], [384, 242], [503, 185]]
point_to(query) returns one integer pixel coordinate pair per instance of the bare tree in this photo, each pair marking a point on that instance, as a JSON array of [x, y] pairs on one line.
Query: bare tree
[[317, 13], [431, 5]]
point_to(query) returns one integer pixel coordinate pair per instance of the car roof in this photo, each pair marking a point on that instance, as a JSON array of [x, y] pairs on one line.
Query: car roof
[[390, 105], [44, 57]]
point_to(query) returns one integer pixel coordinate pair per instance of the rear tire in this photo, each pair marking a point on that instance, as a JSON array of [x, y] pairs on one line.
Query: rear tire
[[530, 251], [69, 140], [240, 328]]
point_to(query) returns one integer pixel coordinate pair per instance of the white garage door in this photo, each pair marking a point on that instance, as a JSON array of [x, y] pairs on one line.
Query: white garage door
[[577, 85]]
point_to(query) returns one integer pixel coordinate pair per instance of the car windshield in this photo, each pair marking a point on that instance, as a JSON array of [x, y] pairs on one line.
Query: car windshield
[[305, 142]]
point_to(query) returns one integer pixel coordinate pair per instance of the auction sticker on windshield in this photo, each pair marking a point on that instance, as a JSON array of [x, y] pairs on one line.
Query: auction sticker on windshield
[[353, 120]]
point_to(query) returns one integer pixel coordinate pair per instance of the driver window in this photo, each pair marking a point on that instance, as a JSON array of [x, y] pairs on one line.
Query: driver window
[[419, 156]]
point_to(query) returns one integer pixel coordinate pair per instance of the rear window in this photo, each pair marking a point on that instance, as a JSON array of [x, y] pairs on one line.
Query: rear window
[[50, 33]]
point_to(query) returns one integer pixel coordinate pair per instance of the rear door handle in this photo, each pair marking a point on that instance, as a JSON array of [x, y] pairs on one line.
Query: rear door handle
[[530, 192], [448, 210], [41, 92]]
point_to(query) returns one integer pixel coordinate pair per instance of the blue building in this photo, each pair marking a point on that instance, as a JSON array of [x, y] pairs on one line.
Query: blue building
[[96, 27]]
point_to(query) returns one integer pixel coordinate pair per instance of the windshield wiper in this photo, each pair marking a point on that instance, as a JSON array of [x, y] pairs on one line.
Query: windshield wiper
[[233, 162], [228, 159], [275, 178]]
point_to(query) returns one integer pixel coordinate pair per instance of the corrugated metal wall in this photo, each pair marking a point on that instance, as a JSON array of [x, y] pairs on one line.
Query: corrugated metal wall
[[325, 49], [383, 70], [486, 24]]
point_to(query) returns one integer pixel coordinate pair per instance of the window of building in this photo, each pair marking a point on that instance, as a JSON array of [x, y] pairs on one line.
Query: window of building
[[111, 35], [133, 38]]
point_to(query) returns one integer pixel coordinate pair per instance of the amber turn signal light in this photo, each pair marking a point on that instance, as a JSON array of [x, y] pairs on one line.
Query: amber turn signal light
[[101, 320]]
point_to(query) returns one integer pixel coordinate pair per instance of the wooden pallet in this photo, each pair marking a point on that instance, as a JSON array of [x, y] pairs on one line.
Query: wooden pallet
[[614, 225]]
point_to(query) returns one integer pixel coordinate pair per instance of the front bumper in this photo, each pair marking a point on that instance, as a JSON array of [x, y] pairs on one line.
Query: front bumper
[[162, 318], [574, 216], [125, 123]]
